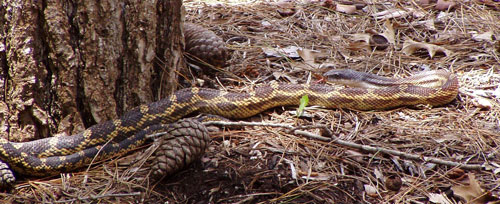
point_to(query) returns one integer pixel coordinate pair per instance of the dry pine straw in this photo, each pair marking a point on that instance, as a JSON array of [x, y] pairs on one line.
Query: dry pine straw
[[460, 131]]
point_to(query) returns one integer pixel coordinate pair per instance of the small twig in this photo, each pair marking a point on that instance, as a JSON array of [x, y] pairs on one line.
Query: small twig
[[350, 144], [391, 152], [155, 135], [487, 86], [243, 123], [98, 197]]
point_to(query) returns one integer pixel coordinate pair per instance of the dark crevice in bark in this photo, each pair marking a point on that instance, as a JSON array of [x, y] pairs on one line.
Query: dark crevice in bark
[[44, 59], [73, 28], [87, 118], [119, 94], [159, 68], [75, 38], [3, 56], [3, 73], [4, 66], [49, 97]]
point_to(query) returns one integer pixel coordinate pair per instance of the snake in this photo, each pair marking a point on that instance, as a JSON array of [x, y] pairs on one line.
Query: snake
[[188, 138]]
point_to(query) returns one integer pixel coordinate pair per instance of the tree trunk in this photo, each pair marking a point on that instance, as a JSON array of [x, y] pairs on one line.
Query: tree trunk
[[66, 65]]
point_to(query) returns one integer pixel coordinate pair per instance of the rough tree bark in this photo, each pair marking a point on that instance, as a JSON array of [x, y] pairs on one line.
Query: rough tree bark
[[66, 65]]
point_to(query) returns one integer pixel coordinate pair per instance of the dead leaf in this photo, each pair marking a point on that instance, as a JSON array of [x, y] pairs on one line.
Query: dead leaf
[[439, 198], [290, 51], [284, 4], [487, 36], [361, 42], [481, 98], [430, 24], [378, 174], [392, 13], [443, 5], [309, 57], [456, 174], [470, 191], [482, 103], [349, 9], [410, 46], [372, 39], [285, 8], [473, 193], [389, 33], [362, 37], [285, 12], [370, 190], [266, 24]]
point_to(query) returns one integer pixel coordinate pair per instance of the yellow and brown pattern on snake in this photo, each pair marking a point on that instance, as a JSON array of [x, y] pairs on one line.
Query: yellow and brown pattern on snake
[[59, 154]]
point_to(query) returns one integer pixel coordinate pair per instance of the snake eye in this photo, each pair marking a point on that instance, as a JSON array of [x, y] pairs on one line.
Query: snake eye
[[336, 75], [333, 74]]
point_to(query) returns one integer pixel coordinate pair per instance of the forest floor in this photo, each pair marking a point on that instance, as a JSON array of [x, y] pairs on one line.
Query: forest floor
[[296, 43]]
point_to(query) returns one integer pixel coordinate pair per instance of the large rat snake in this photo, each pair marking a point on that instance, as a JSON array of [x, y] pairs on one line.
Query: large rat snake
[[51, 156]]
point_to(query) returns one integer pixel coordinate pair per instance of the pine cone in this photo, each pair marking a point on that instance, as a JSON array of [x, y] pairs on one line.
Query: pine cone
[[204, 45]]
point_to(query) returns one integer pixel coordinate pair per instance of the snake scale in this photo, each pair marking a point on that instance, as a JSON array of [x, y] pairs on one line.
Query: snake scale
[[187, 139]]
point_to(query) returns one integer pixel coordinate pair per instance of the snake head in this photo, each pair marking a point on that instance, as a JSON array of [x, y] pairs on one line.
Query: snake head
[[347, 77], [345, 74]]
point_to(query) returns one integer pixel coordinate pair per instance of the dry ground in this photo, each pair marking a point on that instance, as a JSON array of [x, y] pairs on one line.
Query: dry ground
[[262, 164]]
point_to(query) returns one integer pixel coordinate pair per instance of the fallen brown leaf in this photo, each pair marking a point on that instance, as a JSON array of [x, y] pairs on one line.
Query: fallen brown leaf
[[392, 13], [349, 9], [443, 5], [439, 198], [389, 32], [473, 193], [457, 174], [290, 51], [410, 46], [487, 36], [309, 57], [370, 190]]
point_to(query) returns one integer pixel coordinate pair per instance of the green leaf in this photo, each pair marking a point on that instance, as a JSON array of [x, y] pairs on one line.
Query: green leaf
[[303, 103]]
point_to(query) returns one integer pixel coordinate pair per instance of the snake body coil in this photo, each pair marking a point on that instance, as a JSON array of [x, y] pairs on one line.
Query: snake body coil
[[51, 156]]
